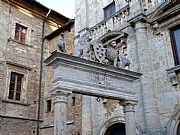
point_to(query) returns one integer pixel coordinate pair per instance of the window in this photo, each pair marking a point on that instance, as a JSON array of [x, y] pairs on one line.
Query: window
[[48, 107], [175, 34], [73, 100], [20, 33], [15, 86], [109, 10]]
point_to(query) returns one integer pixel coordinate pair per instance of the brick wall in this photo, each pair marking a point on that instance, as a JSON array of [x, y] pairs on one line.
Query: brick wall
[[11, 126], [23, 58], [74, 111]]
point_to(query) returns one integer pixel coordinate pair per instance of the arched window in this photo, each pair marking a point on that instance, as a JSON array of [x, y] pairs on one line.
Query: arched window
[[116, 129]]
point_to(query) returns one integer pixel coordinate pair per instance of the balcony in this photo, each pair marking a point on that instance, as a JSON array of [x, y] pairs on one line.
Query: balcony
[[115, 22], [118, 21]]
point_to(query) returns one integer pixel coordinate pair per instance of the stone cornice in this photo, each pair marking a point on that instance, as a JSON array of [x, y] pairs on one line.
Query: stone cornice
[[59, 58], [140, 17], [77, 75], [39, 10], [165, 11]]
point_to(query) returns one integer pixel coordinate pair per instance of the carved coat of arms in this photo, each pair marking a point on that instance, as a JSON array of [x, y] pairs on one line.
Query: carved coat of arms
[[100, 52]]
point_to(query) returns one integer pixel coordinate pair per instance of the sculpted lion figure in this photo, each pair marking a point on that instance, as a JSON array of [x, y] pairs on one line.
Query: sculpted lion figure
[[83, 46]]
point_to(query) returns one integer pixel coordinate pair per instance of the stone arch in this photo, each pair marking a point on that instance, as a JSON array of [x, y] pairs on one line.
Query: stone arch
[[111, 122], [111, 35], [172, 125], [115, 120]]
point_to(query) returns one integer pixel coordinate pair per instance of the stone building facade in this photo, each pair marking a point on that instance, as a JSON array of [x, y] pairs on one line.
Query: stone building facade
[[23, 24], [148, 31]]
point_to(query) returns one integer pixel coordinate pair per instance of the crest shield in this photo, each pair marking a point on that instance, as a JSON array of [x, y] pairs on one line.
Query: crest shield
[[100, 52]]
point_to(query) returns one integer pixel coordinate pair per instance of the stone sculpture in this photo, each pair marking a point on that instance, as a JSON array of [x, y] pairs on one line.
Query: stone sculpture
[[96, 51], [99, 52], [83, 46], [61, 44], [122, 60], [112, 53]]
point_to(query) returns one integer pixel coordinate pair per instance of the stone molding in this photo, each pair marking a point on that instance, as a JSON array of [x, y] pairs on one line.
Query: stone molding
[[172, 74], [57, 59], [19, 65], [140, 17], [110, 122], [60, 99], [129, 106], [166, 10], [172, 124], [73, 74], [118, 119]]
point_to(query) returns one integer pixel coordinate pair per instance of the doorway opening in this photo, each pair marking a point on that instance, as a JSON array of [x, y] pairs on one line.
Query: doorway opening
[[116, 129], [178, 129]]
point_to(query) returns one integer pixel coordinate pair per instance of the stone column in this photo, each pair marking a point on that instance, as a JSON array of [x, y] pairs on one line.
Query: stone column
[[145, 50], [129, 110], [60, 113]]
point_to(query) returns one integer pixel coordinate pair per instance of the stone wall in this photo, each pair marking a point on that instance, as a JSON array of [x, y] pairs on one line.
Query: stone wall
[[22, 58], [15, 126], [74, 110], [149, 49]]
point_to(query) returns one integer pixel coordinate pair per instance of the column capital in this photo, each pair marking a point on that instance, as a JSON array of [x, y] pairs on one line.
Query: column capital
[[129, 110], [129, 106], [141, 17], [60, 93], [60, 97]]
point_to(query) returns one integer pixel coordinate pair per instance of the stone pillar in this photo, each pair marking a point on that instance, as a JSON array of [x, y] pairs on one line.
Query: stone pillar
[[149, 97], [130, 123], [60, 113], [87, 115]]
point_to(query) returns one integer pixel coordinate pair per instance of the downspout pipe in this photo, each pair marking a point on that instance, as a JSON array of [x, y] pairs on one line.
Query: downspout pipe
[[41, 72]]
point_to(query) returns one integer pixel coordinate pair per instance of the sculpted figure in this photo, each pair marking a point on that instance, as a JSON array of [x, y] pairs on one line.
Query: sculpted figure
[[61, 44], [112, 53], [123, 61], [96, 51], [83, 46]]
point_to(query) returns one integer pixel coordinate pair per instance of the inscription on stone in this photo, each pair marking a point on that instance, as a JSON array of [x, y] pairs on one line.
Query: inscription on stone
[[99, 79]]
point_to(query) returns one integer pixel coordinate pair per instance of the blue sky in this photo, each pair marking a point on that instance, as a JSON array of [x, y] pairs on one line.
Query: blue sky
[[65, 7]]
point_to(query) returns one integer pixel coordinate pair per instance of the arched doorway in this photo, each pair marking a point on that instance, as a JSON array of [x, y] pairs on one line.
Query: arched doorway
[[178, 130], [116, 129]]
